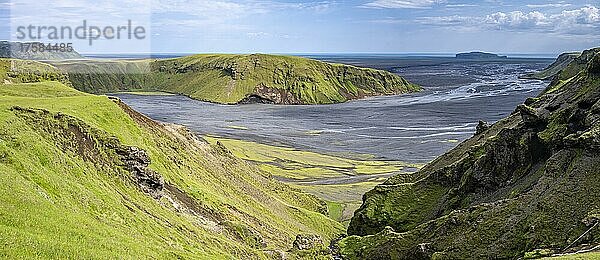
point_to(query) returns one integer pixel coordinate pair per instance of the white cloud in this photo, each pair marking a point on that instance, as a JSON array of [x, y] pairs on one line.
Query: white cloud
[[562, 4], [517, 20], [578, 21], [585, 20], [321, 6], [585, 15], [400, 4]]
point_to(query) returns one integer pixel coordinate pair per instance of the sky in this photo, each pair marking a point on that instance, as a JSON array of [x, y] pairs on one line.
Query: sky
[[368, 26]]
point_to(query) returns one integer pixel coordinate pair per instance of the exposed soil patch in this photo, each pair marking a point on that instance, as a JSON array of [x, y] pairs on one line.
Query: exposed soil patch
[[75, 136]]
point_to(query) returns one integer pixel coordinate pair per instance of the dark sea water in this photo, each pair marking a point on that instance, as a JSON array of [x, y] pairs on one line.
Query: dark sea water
[[412, 128]]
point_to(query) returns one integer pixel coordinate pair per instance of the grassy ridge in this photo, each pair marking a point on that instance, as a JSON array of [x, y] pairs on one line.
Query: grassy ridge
[[231, 79], [24, 71], [554, 69], [66, 193]]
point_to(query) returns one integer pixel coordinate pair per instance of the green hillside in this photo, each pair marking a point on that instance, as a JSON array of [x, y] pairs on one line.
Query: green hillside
[[231, 79], [85, 176], [526, 187]]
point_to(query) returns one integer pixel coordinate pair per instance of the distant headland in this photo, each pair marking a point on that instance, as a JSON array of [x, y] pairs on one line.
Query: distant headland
[[477, 55]]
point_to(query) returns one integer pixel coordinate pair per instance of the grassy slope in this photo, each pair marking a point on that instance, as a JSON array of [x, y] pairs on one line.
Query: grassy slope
[[55, 203], [554, 69], [231, 78], [530, 181], [584, 256]]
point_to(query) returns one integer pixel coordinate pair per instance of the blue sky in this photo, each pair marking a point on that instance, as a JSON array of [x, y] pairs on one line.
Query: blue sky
[[382, 26]]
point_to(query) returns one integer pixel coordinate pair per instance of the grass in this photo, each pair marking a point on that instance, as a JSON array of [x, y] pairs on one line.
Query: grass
[[584, 256], [559, 85], [343, 193], [54, 203], [25, 71], [561, 63], [336, 210], [342, 199]]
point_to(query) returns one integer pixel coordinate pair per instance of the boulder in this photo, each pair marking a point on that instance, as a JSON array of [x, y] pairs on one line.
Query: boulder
[[308, 242]]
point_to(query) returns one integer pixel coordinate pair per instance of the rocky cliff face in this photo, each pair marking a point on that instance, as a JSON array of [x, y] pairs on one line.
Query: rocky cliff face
[[529, 181]]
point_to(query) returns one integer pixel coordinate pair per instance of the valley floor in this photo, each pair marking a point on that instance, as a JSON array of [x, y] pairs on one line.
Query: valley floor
[[339, 181]]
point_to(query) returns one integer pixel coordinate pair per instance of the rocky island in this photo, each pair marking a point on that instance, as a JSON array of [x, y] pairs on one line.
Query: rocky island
[[476, 55]]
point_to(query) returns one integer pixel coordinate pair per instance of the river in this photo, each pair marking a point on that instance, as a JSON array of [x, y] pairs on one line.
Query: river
[[413, 128]]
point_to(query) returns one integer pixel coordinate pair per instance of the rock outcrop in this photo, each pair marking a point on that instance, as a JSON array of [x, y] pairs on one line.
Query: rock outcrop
[[307, 242], [136, 161], [72, 134], [529, 182]]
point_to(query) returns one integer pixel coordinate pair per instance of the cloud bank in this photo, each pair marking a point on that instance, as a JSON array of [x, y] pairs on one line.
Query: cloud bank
[[585, 20]]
